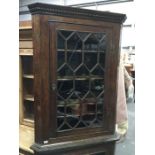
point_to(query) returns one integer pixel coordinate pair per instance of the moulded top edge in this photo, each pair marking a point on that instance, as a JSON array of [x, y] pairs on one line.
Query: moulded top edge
[[66, 11]]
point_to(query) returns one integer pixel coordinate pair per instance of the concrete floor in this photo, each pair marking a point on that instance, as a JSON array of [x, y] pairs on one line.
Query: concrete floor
[[127, 147]]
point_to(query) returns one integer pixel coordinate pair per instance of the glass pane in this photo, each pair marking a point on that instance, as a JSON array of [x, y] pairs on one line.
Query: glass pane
[[97, 86], [61, 58], [74, 59], [91, 43], [90, 59], [98, 70], [82, 71], [80, 75], [102, 59], [74, 42], [102, 43], [81, 87], [65, 71], [60, 41], [65, 88]]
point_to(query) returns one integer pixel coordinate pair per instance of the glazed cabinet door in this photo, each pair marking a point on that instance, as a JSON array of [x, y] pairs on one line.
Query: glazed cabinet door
[[78, 59]]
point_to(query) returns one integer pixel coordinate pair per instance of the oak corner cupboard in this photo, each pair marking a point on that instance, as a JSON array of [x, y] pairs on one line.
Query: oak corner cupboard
[[69, 60]]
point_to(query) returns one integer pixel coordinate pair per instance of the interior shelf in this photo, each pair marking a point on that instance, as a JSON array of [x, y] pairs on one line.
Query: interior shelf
[[26, 57], [28, 76], [29, 120], [29, 97], [25, 44], [26, 52]]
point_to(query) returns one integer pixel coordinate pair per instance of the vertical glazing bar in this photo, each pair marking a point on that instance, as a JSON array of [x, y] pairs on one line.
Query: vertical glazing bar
[[65, 50], [82, 52]]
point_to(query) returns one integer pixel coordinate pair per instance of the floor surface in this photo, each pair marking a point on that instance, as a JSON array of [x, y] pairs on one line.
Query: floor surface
[[127, 147]]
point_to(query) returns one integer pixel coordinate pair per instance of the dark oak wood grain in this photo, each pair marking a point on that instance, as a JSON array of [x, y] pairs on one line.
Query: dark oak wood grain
[[46, 21], [90, 146], [41, 77]]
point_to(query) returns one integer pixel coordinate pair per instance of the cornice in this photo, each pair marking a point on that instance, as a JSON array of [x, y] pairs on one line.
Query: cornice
[[65, 11]]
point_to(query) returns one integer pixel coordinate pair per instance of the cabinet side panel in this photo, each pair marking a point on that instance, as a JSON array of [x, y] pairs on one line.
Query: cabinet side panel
[[112, 64], [41, 77]]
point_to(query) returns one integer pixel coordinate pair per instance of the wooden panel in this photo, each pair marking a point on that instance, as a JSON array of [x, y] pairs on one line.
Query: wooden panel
[[52, 75], [90, 146], [25, 25], [41, 80], [37, 80], [112, 61], [26, 52], [112, 71], [41, 44], [20, 91], [25, 34], [25, 44]]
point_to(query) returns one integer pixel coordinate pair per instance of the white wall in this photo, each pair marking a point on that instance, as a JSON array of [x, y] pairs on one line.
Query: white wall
[[128, 8], [73, 2]]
